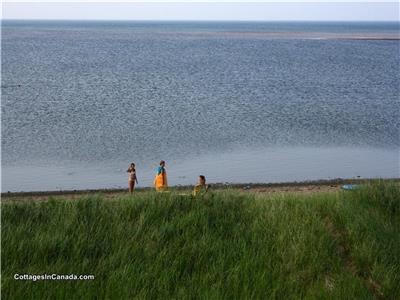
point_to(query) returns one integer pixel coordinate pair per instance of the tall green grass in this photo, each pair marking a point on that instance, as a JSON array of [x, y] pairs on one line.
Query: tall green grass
[[226, 245]]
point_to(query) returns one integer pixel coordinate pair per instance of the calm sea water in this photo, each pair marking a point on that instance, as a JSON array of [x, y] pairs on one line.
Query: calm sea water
[[237, 102]]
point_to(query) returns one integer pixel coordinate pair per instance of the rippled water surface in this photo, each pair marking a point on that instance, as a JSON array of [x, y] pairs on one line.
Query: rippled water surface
[[80, 100]]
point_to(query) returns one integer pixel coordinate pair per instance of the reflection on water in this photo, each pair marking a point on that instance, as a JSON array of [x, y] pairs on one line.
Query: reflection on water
[[245, 166]]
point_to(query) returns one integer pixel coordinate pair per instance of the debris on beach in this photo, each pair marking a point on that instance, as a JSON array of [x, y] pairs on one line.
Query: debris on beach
[[351, 187]]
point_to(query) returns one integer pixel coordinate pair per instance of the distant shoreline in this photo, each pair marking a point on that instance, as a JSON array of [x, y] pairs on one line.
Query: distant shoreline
[[287, 33], [168, 21], [263, 187], [312, 35]]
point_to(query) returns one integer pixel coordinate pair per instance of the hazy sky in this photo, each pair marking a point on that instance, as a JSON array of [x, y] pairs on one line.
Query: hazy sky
[[296, 10]]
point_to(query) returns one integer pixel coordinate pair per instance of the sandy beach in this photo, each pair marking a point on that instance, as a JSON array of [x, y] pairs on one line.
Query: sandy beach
[[304, 187]]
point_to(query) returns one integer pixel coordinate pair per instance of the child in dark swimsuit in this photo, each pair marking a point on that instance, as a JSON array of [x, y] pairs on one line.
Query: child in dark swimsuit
[[132, 177]]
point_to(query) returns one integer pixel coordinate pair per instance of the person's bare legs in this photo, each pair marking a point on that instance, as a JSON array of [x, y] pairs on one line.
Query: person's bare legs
[[131, 186]]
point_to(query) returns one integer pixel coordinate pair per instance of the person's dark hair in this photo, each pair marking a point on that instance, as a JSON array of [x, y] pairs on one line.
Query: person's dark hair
[[202, 177], [162, 162], [131, 166]]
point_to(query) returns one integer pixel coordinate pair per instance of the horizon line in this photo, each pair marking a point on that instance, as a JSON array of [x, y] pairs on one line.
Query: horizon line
[[204, 20]]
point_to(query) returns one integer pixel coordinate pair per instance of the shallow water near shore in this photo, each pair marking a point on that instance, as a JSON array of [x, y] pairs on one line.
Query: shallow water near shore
[[245, 166], [237, 102]]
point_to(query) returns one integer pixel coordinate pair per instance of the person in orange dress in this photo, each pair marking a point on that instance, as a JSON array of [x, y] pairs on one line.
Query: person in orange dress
[[160, 181]]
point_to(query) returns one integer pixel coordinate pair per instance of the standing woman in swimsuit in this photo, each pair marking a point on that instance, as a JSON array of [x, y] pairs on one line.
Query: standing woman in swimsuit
[[160, 182], [132, 177]]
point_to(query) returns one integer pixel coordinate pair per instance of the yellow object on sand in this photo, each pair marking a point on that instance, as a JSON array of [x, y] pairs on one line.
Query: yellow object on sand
[[160, 182], [200, 189]]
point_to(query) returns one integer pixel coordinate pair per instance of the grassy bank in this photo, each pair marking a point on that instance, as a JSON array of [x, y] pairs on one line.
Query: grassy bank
[[227, 245]]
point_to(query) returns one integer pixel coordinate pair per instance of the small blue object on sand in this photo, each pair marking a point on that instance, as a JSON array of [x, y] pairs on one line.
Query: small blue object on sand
[[351, 187]]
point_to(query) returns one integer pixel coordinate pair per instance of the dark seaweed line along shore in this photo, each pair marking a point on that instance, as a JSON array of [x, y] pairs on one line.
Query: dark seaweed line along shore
[[244, 186]]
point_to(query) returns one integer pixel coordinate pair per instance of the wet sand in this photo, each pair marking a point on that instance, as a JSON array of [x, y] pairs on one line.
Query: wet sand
[[305, 187]]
